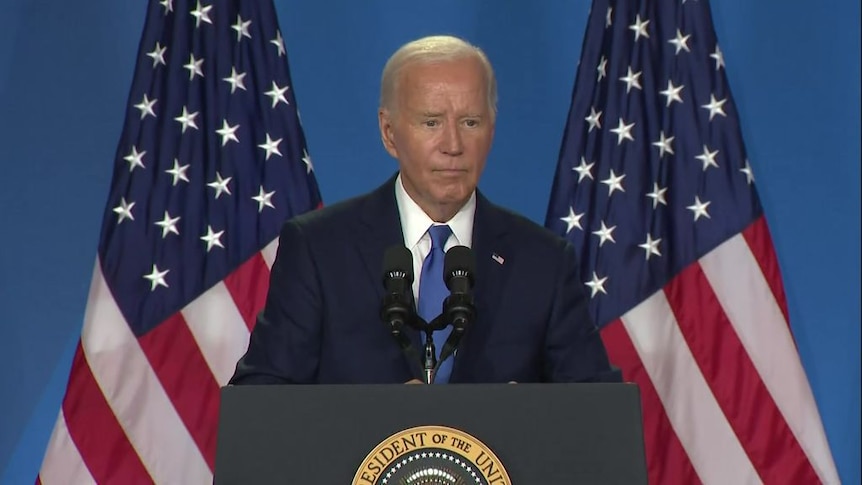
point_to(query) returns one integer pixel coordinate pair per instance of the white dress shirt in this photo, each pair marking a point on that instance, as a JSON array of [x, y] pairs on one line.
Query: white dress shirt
[[415, 223]]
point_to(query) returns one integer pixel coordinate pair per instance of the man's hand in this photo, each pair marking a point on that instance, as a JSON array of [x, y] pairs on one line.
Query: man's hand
[[414, 381]]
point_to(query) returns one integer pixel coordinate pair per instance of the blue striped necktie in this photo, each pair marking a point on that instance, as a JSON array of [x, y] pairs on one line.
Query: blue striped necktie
[[432, 292]]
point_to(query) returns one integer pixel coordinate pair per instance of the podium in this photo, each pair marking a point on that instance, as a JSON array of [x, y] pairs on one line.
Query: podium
[[533, 434]]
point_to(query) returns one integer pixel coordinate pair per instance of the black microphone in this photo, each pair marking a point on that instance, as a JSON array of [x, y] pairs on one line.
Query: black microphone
[[459, 273], [397, 308]]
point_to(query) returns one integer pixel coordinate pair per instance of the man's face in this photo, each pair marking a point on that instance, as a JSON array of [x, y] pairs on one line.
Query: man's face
[[440, 129]]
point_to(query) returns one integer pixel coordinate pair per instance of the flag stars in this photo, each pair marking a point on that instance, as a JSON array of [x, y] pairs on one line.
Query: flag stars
[[270, 146], [609, 17], [572, 220], [650, 247], [664, 144], [672, 93], [202, 14], [306, 159], [614, 182], [236, 80], [124, 211], [241, 28], [195, 67], [135, 158], [657, 195], [220, 185], [279, 43], [178, 172], [158, 55], [596, 285], [277, 94], [718, 57], [187, 119], [157, 278], [605, 234], [602, 68], [632, 79], [715, 107], [263, 199], [623, 131], [594, 119], [680, 42], [708, 158], [749, 174], [146, 106], [227, 132], [212, 238], [168, 5], [584, 169], [168, 225], [639, 28], [699, 208]]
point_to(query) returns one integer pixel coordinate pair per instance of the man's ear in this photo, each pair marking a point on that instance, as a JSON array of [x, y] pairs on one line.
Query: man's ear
[[384, 121]]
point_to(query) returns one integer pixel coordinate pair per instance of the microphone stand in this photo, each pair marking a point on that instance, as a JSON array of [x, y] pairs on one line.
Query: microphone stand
[[429, 356]]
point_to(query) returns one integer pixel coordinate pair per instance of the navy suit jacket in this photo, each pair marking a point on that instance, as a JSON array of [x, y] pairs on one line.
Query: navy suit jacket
[[321, 320]]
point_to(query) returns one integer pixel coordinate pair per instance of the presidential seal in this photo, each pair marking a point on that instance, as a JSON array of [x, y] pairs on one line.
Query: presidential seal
[[431, 455]]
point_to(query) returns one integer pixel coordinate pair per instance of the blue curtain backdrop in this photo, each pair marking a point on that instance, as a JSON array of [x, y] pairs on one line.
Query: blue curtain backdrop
[[65, 72]]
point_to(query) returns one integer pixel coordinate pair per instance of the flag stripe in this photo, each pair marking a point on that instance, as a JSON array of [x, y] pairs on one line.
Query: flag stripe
[[63, 463], [759, 240], [746, 296], [94, 429], [144, 411], [219, 330], [177, 361], [248, 285], [690, 406], [671, 466], [729, 373], [269, 251]]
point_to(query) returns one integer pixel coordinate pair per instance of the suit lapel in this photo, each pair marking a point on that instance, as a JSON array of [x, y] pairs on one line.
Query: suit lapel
[[381, 229], [491, 248]]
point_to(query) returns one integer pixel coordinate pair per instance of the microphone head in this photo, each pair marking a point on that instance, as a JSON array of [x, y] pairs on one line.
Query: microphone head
[[459, 263], [398, 263]]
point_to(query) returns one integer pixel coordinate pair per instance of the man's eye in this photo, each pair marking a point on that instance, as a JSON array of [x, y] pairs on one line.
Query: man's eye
[[430, 123], [471, 123]]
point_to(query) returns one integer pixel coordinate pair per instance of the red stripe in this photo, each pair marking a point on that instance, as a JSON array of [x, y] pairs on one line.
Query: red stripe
[[184, 374], [760, 242], [667, 461], [734, 381], [248, 285], [101, 441]]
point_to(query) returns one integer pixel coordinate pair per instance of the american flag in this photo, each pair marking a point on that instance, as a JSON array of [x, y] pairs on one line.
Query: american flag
[[212, 160], [655, 191]]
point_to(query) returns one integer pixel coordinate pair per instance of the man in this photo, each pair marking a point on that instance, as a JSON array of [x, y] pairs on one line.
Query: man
[[321, 321]]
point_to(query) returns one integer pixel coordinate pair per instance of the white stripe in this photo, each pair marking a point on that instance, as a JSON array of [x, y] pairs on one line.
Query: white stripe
[[134, 393], [749, 303], [218, 329], [709, 441], [269, 252], [62, 463]]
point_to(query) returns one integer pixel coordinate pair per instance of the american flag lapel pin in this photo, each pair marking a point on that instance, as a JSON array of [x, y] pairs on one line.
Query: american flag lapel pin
[[496, 257]]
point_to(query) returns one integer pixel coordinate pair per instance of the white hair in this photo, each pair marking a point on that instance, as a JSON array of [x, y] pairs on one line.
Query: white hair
[[437, 48]]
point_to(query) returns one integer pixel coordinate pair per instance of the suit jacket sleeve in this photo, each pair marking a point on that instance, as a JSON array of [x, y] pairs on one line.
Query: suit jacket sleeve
[[285, 344], [574, 349]]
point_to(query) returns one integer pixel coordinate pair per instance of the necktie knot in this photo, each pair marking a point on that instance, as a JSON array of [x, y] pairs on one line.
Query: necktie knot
[[439, 235]]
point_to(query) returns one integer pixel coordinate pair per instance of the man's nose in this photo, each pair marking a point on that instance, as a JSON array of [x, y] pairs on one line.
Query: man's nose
[[452, 144]]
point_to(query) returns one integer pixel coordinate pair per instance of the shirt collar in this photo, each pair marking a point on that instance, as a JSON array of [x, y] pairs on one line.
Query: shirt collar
[[415, 222]]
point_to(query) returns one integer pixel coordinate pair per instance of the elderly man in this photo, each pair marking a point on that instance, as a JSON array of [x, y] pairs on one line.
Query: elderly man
[[321, 321]]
